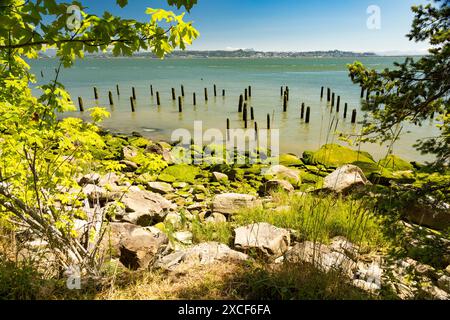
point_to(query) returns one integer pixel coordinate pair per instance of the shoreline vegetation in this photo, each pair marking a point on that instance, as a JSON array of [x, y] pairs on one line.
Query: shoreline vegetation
[[324, 225], [89, 214]]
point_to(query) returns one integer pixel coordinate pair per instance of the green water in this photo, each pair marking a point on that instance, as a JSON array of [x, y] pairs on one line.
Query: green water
[[304, 76]]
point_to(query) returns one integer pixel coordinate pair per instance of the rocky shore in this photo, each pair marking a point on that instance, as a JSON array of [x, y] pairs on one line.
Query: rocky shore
[[155, 214]]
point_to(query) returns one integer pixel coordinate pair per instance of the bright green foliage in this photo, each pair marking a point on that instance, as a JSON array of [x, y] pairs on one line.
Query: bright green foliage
[[414, 90], [40, 156]]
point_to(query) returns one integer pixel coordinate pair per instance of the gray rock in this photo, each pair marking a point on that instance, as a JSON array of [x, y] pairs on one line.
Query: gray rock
[[231, 203], [158, 149], [322, 257], [435, 293], [160, 187], [145, 208], [130, 165], [267, 239], [280, 172], [345, 178], [216, 217], [184, 237], [444, 283], [202, 254], [430, 213], [91, 178], [109, 179], [220, 177], [129, 153], [140, 248], [276, 185]]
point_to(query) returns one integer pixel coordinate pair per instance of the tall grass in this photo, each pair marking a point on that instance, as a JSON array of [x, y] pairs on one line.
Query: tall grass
[[320, 218]]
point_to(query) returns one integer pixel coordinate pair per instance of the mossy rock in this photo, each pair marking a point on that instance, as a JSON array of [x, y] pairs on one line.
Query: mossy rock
[[308, 177], [113, 149], [290, 160], [394, 163], [181, 173], [139, 142], [335, 156], [164, 177], [385, 177], [146, 178]]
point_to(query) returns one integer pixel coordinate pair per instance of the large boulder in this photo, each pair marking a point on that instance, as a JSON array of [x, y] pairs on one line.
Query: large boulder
[[264, 238], [279, 172], [430, 213], [140, 248], [345, 178], [202, 254], [231, 203], [335, 156], [145, 208]]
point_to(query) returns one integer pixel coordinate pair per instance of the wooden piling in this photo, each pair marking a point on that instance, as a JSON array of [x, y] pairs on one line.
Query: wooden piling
[[180, 105], [354, 116], [302, 111], [228, 129], [194, 99], [332, 99], [287, 93], [268, 121], [206, 94], [182, 90], [367, 95], [223, 93], [158, 101], [252, 114], [250, 91], [308, 114], [256, 131], [151, 90], [338, 104], [215, 91], [42, 74], [95, 93], [282, 92], [80, 104], [173, 94], [117, 90], [244, 113], [328, 94], [134, 93], [246, 95], [241, 101], [362, 92], [321, 93], [133, 109], [285, 103], [111, 102], [345, 110]]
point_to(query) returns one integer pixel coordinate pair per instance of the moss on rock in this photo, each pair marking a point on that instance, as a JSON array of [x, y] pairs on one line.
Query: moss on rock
[[395, 163], [290, 160], [180, 173]]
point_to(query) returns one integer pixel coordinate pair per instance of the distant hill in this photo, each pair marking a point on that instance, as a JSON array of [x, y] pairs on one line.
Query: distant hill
[[237, 54]]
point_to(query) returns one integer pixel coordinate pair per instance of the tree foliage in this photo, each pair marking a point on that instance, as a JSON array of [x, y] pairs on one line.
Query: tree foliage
[[414, 90], [41, 156]]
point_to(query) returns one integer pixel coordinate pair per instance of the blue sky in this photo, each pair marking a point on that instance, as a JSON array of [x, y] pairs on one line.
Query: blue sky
[[289, 25]]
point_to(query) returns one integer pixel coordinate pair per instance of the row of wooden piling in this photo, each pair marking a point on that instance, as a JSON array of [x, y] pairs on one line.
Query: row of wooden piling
[[336, 102], [305, 113]]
